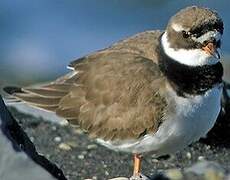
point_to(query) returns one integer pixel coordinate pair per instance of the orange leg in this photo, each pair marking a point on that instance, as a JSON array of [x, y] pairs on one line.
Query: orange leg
[[137, 165]]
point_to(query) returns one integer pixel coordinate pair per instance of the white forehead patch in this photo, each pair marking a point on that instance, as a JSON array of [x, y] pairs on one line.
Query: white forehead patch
[[207, 36], [178, 27]]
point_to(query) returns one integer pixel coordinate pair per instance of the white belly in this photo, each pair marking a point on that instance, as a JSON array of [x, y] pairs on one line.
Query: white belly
[[193, 118]]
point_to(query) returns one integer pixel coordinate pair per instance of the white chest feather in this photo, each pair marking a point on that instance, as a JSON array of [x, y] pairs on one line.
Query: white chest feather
[[193, 118]]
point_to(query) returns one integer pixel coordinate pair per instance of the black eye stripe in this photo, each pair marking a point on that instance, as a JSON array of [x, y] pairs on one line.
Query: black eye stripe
[[207, 27]]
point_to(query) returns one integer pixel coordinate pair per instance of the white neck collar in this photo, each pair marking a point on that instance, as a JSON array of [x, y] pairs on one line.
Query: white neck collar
[[192, 57]]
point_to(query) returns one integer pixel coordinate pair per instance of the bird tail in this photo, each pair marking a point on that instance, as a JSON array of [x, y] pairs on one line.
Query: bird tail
[[45, 97]]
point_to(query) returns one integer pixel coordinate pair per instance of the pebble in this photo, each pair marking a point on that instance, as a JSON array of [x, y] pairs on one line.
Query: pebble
[[208, 147], [63, 123], [188, 155], [94, 178], [106, 173], [155, 160], [174, 174], [57, 139], [201, 158], [81, 156], [32, 139], [54, 128], [64, 146], [78, 131], [72, 144], [92, 146], [84, 152]]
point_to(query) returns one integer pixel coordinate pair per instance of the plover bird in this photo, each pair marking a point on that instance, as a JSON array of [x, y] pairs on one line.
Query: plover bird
[[156, 91]]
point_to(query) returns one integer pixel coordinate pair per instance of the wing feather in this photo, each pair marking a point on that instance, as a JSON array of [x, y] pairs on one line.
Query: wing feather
[[113, 94]]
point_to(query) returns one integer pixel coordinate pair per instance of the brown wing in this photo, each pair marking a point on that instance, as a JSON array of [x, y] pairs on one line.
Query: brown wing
[[111, 95], [115, 96], [120, 96]]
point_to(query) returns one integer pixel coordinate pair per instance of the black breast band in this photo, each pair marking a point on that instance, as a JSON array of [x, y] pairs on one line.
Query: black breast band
[[192, 80]]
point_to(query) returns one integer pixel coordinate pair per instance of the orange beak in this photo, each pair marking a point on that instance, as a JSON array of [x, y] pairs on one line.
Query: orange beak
[[211, 49]]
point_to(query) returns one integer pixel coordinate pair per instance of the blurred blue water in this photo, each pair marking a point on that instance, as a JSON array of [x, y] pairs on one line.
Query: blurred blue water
[[39, 38]]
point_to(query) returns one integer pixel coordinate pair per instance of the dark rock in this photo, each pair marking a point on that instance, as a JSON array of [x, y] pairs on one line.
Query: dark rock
[[18, 156]]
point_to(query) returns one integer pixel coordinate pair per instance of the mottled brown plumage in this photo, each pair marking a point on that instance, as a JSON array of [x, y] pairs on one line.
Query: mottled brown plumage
[[194, 17], [115, 94]]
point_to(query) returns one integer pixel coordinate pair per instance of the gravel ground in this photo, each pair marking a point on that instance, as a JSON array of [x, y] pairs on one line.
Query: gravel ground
[[81, 158]]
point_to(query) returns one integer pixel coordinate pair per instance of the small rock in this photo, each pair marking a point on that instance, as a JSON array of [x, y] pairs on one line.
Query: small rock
[[54, 128], [32, 139], [64, 146], [72, 144], [94, 178], [81, 156], [64, 123], [201, 158], [211, 174], [57, 139], [155, 160], [188, 155], [84, 152], [120, 178], [106, 173], [92, 146], [174, 174], [208, 147], [78, 131]]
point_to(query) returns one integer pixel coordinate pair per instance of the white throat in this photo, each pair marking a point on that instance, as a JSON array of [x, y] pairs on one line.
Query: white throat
[[192, 57]]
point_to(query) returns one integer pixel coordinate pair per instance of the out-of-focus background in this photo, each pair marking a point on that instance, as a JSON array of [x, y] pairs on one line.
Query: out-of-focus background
[[39, 38]]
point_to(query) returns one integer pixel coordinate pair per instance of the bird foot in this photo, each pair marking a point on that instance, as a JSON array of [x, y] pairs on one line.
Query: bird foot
[[139, 177]]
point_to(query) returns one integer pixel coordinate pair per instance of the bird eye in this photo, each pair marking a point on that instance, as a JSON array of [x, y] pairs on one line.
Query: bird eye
[[185, 34]]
